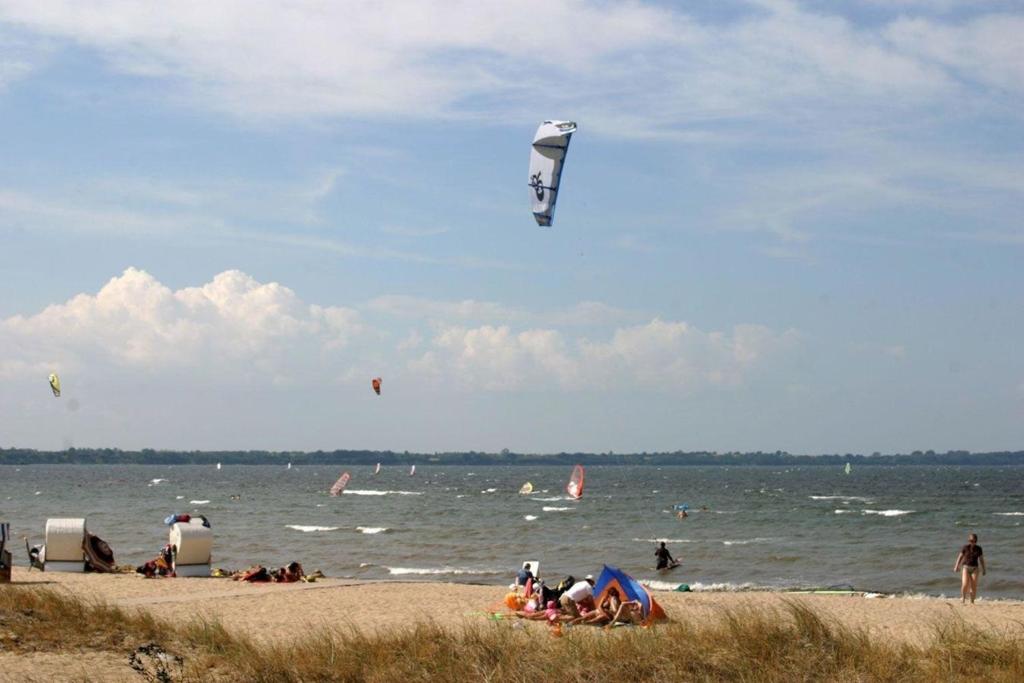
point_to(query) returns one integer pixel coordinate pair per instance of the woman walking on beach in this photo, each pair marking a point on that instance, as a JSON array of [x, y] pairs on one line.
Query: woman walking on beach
[[970, 561]]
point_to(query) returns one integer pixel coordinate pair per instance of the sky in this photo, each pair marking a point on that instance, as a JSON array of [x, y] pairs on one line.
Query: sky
[[782, 225]]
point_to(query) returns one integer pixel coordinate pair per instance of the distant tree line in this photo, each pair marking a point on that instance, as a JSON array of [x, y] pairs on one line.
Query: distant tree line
[[148, 456]]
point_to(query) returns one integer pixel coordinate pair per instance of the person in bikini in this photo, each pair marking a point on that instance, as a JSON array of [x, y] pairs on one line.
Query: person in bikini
[[969, 562]]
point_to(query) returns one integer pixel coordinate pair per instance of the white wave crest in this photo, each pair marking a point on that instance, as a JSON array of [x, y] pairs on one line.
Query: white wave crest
[[489, 491], [178, 497], [198, 502], [661, 585], [724, 587], [663, 540], [423, 571], [1009, 514], [887, 513], [845, 512], [374, 492], [372, 529], [747, 541], [529, 518], [548, 508], [552, 499], [157, 481], [859, 498], [307, 529]]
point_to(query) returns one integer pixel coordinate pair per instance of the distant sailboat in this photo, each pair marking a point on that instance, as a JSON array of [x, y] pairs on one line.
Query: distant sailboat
[[412, 470], [289, 466], [376, 470], [847, 468], [218, 466]]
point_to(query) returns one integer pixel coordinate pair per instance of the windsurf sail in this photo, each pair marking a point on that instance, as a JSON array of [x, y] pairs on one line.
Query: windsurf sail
[[218, 466], [340, 485], [375, 383], [550, 144], [55, 384], [376, 470], [289, 466], [575, 487], [847, 468], [412, 470], [526, 489]]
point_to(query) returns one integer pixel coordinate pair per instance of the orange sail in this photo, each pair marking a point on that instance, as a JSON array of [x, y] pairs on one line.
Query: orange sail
[[340, 485], [376, 384], [575, 487]]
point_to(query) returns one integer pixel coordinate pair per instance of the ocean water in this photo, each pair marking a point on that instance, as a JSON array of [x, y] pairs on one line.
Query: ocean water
[[885, 529]]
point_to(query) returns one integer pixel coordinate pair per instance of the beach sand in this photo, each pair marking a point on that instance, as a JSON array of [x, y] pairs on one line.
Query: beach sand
[[266, 610]]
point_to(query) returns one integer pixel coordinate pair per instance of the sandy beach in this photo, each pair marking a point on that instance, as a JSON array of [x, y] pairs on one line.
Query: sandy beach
[[263, 610]]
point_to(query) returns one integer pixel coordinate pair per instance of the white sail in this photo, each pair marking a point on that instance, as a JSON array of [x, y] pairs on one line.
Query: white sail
[[376, 470], [546, 158], [412, 470]]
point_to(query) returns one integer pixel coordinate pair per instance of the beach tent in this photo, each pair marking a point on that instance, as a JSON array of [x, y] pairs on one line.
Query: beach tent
[[629, 589]]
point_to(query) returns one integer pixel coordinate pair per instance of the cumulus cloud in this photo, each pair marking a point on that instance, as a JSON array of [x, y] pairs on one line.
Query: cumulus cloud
[[239, 328], [136, 322], [672, 356]]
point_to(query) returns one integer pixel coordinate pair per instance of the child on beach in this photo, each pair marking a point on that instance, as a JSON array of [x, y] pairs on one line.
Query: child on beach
[[969, 561]]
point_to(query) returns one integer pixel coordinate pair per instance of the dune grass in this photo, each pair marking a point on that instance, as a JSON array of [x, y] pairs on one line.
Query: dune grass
[[791, 644]]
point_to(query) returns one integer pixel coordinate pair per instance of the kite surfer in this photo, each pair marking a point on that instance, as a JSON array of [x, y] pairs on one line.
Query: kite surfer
[[665, 559]]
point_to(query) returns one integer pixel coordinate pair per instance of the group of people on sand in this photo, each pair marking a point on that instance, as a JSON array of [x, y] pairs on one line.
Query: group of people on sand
[[291, 573], [569, 602]]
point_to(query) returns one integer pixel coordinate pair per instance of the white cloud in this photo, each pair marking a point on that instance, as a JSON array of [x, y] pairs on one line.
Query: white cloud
[[237, 329], [135, 322], [671, 356], [629, 68]]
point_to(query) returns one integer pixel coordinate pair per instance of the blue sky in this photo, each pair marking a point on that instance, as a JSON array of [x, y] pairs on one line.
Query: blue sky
[[783, 225]]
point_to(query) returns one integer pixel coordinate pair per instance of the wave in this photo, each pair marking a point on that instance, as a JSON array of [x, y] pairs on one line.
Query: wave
[[1009, 514], [307, 529], [178, 497], [372, 529], [663, 540], [845, 512], [423, 571], [660, 585], [887, 513], [157, 481], [198, 502], [529, 518], [374, 492], [489, 491], [726, 587], [553, 498], [548, 508], [858, 498], [747, 541]]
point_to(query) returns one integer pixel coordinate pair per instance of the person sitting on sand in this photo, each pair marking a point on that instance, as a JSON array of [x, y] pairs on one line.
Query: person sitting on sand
[[524, 575], [629, 612], [290, 574], [970, 561], [579, 596], [665, 559]]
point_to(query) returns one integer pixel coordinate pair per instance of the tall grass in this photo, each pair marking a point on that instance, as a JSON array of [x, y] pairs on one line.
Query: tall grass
[[790, 644]]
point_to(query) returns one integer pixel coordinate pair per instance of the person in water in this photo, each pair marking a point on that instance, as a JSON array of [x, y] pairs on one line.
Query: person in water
[[969, 562], [665, 559]]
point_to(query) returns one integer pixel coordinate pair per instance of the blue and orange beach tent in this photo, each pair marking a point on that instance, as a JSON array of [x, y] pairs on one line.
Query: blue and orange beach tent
[[629, 589]]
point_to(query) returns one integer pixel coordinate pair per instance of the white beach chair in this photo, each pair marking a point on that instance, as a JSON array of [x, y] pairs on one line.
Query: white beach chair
[[194, 544], [64, 550]]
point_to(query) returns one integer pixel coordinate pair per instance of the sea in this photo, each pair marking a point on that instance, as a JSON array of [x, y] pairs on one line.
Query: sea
[[885, 529]]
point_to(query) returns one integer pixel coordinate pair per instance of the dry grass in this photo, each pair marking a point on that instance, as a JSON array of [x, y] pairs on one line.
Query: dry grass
[[794, 644]]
